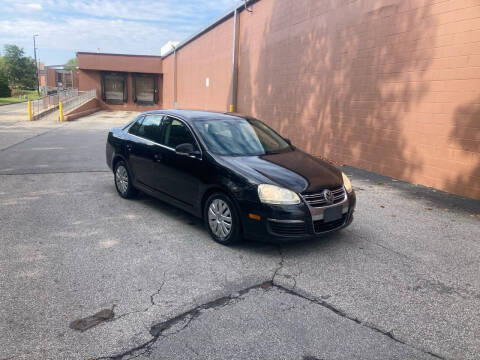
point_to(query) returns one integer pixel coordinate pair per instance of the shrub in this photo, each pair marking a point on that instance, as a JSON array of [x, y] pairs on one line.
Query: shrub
[[19, 92], [4, 88]]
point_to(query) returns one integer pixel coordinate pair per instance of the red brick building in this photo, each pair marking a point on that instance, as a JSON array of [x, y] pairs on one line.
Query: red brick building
[[55, 77], [390, 86], [129, 82]]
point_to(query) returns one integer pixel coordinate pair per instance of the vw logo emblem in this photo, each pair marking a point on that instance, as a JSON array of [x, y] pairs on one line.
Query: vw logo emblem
[[328, 196]]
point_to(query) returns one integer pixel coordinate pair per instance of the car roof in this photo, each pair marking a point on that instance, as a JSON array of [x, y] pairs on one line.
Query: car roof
[[190, 115]]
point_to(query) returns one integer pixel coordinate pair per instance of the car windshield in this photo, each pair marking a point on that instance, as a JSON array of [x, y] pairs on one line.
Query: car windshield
[[240, 137]]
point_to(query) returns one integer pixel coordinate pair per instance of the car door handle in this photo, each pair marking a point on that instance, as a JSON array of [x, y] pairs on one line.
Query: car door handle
[[157, 157], [129, 147]]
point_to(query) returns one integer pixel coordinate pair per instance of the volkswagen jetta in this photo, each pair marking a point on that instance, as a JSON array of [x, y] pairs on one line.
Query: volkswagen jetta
[[235, 172]]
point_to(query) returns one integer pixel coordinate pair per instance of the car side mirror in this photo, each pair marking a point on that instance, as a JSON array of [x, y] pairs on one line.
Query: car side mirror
[[187, 149]]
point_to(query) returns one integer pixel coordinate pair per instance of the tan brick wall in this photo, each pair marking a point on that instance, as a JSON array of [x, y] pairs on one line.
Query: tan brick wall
[[209, 56], [168, 82], [120, 62], [390, 86]]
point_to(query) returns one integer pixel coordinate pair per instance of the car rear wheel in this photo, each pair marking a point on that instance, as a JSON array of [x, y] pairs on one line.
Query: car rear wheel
[[123, 182], [222, 220]]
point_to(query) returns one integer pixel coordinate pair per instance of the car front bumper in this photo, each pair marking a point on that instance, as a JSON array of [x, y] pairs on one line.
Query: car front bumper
[[293, 222]]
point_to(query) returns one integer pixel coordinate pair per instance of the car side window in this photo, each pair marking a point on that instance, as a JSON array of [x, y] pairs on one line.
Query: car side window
[[175, 133], [134, 128], [150, 128]]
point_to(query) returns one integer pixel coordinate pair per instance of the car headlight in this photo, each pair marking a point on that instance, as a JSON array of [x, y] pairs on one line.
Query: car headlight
[[347, 183], [271, 194]]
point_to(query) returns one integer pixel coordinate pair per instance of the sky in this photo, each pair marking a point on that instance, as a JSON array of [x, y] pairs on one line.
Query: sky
[[113, 26]]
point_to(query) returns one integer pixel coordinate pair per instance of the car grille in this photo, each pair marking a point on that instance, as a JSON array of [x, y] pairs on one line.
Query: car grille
[[287, 229], [318, 199], [321, 226]]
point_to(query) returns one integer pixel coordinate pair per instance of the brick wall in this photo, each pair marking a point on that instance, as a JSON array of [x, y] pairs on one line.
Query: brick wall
[[51, 80], [209, 56], [91, 79], [91, 106], [390, 86], [120, 62], [168, 82]]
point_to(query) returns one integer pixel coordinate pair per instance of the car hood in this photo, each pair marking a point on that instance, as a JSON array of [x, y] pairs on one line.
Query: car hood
[[295, 170]]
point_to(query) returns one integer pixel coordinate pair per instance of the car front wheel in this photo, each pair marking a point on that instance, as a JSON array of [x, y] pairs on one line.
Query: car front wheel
[[222, 220], [123, 182]]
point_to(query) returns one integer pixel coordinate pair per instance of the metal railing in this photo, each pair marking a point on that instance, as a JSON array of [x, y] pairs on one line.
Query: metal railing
[[48, 103], [55, 106], [81, 98]]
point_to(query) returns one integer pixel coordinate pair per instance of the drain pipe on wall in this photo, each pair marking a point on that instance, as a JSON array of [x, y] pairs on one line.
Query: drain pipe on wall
[[175, 104], [233, 100]]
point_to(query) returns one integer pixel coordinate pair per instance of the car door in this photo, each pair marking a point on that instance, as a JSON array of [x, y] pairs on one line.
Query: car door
[[178, 175], [144, 150]]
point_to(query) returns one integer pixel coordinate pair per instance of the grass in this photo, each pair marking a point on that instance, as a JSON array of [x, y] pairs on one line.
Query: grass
[[30, 95]]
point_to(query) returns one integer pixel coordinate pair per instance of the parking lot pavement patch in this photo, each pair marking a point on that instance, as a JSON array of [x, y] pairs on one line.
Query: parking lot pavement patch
[[93, 320]]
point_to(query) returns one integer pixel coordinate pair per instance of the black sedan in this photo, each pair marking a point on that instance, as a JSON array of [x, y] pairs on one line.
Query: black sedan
[[235, 172]]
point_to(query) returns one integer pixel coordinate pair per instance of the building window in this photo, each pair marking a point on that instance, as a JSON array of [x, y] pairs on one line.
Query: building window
[[59, 79], [145, 89], [67, 80], [114, 88]]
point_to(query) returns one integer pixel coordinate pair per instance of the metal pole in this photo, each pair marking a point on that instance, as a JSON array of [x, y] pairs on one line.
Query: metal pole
[[60, 111], [175, 77], [30, 115], [233, 101], [46, 80], [36, 65]]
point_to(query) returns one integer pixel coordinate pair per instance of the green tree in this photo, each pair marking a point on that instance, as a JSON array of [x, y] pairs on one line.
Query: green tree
[[71, 64], [18, 68], [2, 66], [28, 80], [4, 89]]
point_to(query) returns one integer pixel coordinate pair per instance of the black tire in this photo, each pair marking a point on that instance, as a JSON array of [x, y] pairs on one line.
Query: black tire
[[235, 231], [122, 177]]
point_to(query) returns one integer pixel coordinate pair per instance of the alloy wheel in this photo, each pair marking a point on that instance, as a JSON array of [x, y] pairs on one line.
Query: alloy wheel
[[220, 218], [121, 179]]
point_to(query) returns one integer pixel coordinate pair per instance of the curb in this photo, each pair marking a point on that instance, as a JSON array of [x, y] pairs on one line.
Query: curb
[[18, 102]]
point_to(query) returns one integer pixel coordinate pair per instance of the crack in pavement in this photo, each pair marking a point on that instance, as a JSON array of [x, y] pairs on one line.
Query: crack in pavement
[[280, 263], [158, 291], [152, 296], [160, 330], [356, 320], [332, 308]]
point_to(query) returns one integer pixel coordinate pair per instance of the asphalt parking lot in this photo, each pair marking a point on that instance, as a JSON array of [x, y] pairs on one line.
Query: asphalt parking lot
[[402, 282]]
